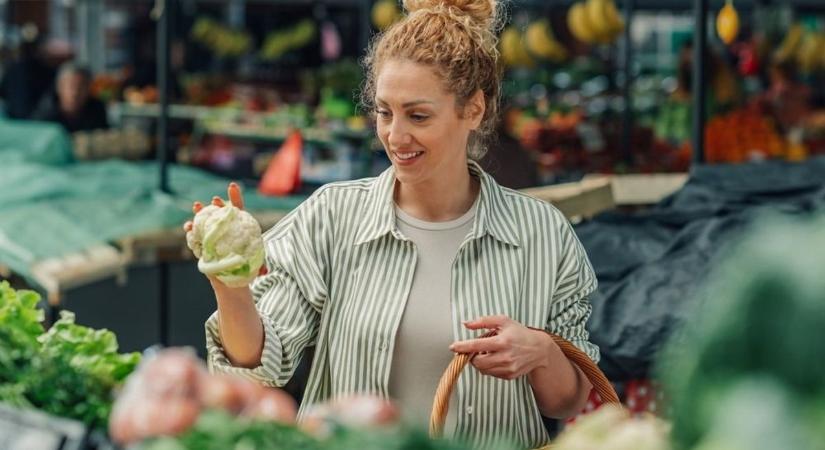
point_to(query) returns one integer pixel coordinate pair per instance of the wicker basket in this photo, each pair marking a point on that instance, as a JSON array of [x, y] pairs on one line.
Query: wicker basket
[[445, 387]]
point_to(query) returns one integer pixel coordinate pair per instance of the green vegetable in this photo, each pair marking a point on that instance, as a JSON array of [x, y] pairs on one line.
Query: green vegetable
[[21, 325], [762, 315], [218, 430], [69, 371]]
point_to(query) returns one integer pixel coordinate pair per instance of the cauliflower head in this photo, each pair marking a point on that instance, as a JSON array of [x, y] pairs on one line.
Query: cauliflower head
[[228, 244], [613, 428]]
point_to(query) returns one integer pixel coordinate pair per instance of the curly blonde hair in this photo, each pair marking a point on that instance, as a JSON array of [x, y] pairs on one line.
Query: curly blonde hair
[[458, 39]]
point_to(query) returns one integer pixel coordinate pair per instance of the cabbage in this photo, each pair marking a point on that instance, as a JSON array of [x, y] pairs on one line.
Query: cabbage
[[227, 240]]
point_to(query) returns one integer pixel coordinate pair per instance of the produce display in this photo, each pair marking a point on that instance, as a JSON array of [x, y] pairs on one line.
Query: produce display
[[742, 135], [273, 99], [168, 391], [216, 430], [172, 402], [69, 371]]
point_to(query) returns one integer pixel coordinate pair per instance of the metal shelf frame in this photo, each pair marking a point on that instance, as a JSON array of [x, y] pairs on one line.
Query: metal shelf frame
[[701, 10]]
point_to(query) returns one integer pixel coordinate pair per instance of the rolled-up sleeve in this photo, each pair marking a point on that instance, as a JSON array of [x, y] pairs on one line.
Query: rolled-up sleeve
[[289, 298], [576, 281]]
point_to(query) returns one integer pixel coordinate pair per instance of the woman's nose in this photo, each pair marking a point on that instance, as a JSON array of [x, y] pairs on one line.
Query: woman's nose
[[398, 134]]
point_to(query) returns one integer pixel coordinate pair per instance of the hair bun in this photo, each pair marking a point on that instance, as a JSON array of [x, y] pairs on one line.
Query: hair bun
[[482, 12]]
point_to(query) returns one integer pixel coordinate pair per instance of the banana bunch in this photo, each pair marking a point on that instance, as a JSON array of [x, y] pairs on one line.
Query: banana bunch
[[512, 48], [220, 39], [384, 13], [805, 48], [821, 52], [541, 43], [811, 53], [790, 44], [279, 42], [595, 21]]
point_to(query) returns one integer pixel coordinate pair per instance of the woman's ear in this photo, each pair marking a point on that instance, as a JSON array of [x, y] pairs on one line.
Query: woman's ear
[[475, 109]]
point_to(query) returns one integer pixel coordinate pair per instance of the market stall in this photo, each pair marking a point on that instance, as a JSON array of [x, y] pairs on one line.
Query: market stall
[[682, 139]]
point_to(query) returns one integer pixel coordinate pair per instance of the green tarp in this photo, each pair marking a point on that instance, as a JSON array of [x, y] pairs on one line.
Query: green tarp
[[37, 142], [51, 207]]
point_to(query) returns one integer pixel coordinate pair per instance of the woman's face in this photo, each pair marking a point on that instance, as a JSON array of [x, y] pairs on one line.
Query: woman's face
[[418, 124]]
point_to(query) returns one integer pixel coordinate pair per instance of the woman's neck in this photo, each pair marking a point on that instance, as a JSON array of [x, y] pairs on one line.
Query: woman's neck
[[440, 201]]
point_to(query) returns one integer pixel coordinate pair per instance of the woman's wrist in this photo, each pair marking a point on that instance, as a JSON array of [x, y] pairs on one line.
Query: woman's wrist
[[226, 293], [547, 350]]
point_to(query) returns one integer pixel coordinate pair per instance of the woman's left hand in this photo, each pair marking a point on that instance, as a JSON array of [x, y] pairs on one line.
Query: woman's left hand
[[515, 351]]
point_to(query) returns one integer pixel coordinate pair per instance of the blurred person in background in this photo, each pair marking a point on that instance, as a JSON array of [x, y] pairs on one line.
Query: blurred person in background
[[26, 78], [787, 97], [71, 104], [723, 90]]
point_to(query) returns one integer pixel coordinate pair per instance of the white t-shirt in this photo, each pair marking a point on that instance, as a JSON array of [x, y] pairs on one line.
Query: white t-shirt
[[421, 351]]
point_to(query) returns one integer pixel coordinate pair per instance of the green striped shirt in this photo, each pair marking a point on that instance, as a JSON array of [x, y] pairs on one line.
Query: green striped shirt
[[340, 273]]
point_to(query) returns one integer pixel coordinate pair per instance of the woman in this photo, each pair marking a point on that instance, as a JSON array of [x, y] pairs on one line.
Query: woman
[[389, 276]]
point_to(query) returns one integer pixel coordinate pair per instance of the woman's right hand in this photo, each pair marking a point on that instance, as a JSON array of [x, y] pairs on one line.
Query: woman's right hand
[[235, 197]]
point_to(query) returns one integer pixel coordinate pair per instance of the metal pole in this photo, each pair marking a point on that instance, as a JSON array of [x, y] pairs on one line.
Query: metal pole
[[162, 9], [365, 27], [700, 14], [627, 122]]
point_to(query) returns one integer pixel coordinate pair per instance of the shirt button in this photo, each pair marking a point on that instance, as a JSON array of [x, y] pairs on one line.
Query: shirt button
[[469, 410], [382, 346]]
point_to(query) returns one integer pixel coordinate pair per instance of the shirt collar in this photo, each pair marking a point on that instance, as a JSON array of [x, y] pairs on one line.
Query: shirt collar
[[494, 215]]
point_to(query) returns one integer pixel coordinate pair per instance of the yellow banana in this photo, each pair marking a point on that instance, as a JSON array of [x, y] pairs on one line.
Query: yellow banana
[[507, 44], [614, 18], [385, 13], [807, 56], [599, 24], [579, 25], [540, 42], [512, 49], [820, 52], [790, 44]]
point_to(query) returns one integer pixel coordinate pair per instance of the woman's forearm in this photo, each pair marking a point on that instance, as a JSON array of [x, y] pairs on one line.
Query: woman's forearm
[[242, 333], [561, 389]]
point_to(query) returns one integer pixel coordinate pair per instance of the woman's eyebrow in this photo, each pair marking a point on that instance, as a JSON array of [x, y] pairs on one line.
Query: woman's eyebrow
[[410, 103]]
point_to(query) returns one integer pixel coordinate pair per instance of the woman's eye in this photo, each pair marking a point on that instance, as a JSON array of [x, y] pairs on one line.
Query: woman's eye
[[418, 117], [383, 113]]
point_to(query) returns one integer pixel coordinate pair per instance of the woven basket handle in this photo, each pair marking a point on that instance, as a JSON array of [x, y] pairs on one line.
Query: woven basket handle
[[445, 387]]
